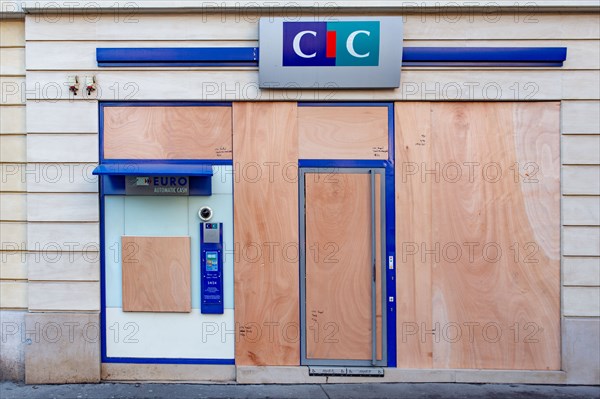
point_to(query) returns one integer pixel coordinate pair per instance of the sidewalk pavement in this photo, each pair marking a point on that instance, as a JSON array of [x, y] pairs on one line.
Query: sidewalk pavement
[[9, 390]]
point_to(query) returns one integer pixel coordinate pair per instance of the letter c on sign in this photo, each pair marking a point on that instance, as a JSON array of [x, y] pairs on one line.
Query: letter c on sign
[[350, 43], [296, 44]]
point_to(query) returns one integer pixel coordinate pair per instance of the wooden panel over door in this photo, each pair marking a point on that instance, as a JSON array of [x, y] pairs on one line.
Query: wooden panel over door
[[156, 274], [338, 266], [266, 234], [167, 132], [343, 132], [493, 174]]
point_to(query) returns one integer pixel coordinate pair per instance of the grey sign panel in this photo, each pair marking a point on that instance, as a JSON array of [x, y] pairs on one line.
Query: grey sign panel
[[157, 185], [348, 52]]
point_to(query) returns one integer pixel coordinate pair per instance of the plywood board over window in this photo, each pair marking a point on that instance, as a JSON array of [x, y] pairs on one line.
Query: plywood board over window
[[343, 132], [174, 132], [477, 199], [156, 274], [266, 234]]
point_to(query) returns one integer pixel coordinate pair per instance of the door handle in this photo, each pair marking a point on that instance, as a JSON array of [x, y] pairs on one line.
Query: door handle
[[373, 271]]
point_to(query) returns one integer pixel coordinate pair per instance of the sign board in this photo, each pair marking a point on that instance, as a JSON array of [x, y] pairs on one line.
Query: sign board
[[349, 52], [157, 185]]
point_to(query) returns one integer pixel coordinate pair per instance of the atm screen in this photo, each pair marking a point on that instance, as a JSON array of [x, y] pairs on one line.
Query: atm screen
[[212, 261]]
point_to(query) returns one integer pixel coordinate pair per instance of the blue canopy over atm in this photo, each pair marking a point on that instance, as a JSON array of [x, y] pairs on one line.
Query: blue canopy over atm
[[113, 174], [153, 169]]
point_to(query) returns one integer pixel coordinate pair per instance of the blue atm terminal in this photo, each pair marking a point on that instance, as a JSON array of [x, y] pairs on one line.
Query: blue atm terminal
[[211, 263]]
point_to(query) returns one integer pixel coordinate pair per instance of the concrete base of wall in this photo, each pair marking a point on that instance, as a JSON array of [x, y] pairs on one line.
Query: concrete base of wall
[[295, 375], [12, 345], [581, 350], [62, 348], [168, 372]]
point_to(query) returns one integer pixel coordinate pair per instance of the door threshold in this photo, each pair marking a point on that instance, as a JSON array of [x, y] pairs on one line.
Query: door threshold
[[346, 371]]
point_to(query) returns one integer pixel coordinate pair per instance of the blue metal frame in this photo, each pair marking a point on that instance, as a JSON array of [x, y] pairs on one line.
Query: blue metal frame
[[390, 196], [102, 160], [411, 56]]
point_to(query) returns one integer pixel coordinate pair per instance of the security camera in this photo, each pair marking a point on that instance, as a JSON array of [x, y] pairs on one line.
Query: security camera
[[205, 213]]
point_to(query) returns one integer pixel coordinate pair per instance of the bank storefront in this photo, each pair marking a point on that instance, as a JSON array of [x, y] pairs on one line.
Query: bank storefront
[[368, 195]]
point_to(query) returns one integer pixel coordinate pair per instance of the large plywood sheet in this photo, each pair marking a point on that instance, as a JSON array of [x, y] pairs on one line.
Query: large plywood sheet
[[266, 234], [338, 266], [493, 240], [156, 274], [413, 227], [343, 132], [167, 132]]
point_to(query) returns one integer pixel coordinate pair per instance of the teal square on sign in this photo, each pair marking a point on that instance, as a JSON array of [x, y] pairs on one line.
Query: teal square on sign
[[357, 42]]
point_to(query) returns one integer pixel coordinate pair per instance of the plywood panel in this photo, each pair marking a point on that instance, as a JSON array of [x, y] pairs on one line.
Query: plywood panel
[[167, 132], [491, 290], [62, 148], [465, 214], [343, 132], [338, 267], [156, 274], [44, 296], [413, 230], [266, 213], [581, 149]]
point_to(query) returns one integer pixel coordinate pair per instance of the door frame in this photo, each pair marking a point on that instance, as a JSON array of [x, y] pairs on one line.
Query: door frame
[[382, 268]]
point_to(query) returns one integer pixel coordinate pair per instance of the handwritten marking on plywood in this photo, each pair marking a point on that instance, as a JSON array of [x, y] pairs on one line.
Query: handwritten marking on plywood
[[266, 230], [156, 274], [492, 245], [338, 282], [167, 132], [343, 132]]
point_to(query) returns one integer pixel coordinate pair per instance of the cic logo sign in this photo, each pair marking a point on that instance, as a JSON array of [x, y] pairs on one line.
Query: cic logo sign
[[330, 44]]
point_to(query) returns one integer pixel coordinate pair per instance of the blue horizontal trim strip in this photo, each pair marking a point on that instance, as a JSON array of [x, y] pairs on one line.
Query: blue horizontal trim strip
[[341, 163], [484, 54], [153, 169], [170, 161], [178, 54], [412, 56], [165, 360]]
